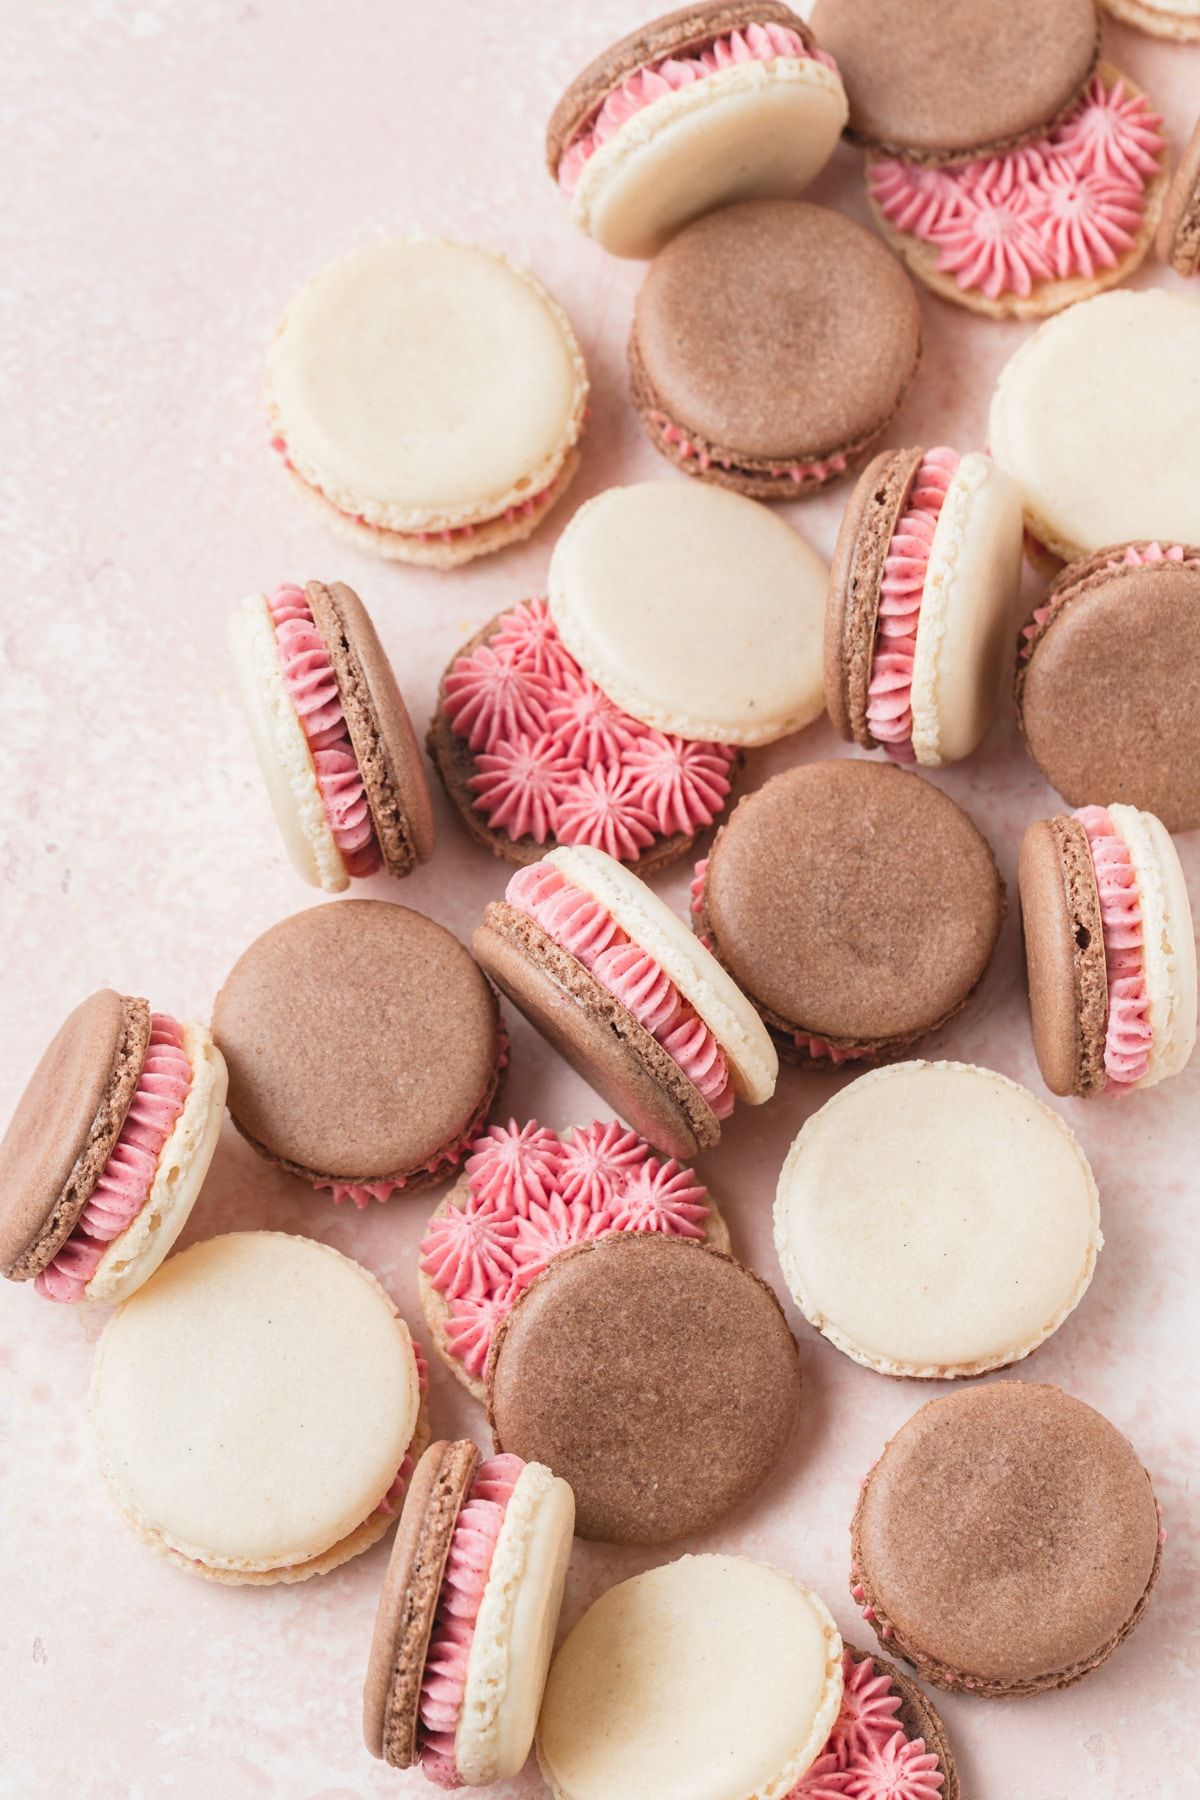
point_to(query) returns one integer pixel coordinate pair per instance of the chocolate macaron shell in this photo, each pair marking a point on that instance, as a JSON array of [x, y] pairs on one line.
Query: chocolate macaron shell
[[1064, 955], [868, 523], [408, 1602], [65, 1126], [1178, 240]]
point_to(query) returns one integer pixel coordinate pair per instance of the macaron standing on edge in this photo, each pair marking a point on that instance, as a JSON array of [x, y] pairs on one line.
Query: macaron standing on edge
[[1178, 240]]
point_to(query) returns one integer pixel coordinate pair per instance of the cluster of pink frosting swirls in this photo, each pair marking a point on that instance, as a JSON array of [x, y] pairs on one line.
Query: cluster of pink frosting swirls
[[128, 1175], [312, 688], [1130, 558], [531, 1194], [1127, 1040], [869, 1756], [554, 758], [819, 470], [1068, 205], [905, 566]]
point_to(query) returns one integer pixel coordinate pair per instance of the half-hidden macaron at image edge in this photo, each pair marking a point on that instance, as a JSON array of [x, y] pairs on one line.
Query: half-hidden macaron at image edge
[[1177, 19], [828, 340], [922, 604], [936, 1220], [332, 734], [1006, 1541], [856, 907], [365, 1048], [1110, 950], [1105, 680], [429, 397], [656, 1374], [525, 1194], [533, 754], [1178, 239], [107, 1149], [702, 106], [258, 1408], [603, 968], [467, 1616]]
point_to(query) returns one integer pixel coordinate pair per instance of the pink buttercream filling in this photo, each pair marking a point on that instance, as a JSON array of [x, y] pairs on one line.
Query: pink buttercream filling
[[1127, 1040], [869, 1755], [1070, 204], [753, 43], [127, 1177], [1130, 558], [905, 566], [797, 472], [464, 1583]]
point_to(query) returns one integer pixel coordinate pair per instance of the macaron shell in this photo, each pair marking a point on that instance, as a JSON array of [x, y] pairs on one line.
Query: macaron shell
[[1064, 956], [1179, 22], [1168, 940], [1178, 240], [868, 524], [696, 610]]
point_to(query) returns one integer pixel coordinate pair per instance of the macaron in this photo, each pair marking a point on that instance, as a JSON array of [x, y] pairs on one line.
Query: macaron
[[695, 609], [1110, 949], [365, 1048], [1006, 1541], [108, 1148], [332, 734], [467, 1616], [1105, 683], [855, 905], [827, 343], [258, 1407], [1097, 419], [533, 754], [428, 397], [1178, 240], [922, 601], [1177, 19], [936, 1220], [707, 104], [525, 1194], [655, 1374], [615, 981]]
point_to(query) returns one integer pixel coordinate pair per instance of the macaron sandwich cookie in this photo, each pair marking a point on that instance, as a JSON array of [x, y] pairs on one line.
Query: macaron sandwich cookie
[[333, 737], [1177, 19], [1006, 1541], [467, 1616], [936, 1220], [827, 342], [1178, 240], [707, 104], [855, 905], [258, 1408], [1105, 683], [107, 1149], [617, 983], [525, 1194], [922, 600], [656, 1374], [365, 1048], [429, 398], [1110, 948]]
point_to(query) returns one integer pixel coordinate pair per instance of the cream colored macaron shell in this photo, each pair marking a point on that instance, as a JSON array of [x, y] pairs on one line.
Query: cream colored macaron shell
[[696, 610], [710, 1678], [1168, 940], [253, 1403], [936, 1220]]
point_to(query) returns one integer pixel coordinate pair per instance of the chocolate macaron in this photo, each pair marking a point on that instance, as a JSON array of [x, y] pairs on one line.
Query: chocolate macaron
[[1006, 1541], [365, 1048], [827, 342], [1178, 240], [857, 907]]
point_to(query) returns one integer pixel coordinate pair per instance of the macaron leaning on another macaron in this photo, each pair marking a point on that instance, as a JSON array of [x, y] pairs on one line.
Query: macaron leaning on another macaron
[[699, 107], [467, 1616], [1178, 240], [108, 1148]]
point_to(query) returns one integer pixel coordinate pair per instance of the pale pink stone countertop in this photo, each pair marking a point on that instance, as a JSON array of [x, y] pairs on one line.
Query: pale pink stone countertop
[[172, 173]]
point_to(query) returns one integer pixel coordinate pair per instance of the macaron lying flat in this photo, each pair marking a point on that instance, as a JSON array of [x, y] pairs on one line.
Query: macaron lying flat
[[1105, 682], [707, 104], [828, 340], [922, 600], [1110, 949], [616, 982], [1006, 1541], [364, 1047], [1178, 240], [936, 1220], [107, 1149], [655, 1374], [467, 1616], [525, 1194], [1176, 19], [257, 1408], [429, 398], [332, 733]]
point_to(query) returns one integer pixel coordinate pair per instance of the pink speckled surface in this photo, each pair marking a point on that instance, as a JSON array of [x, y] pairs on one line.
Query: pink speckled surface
[[173, 173]]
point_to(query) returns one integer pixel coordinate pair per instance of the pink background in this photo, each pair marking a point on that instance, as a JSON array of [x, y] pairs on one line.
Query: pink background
[[173, 173]]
